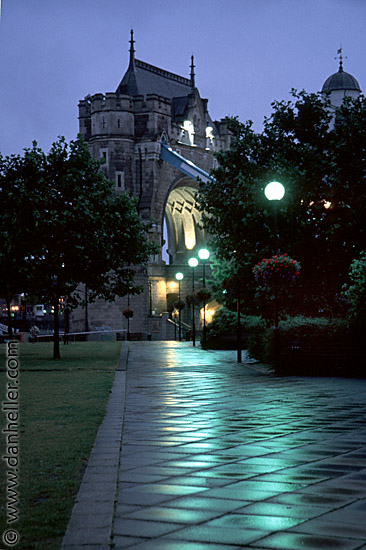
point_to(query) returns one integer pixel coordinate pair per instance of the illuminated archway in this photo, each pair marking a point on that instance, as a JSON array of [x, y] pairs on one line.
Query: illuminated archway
[[182, 231]]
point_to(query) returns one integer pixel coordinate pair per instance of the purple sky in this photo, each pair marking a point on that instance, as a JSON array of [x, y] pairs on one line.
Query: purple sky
[[247, 54]]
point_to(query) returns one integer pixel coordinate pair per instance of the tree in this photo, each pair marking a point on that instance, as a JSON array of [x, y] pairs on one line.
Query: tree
[[17, 228], [81, 232], [300, 148]]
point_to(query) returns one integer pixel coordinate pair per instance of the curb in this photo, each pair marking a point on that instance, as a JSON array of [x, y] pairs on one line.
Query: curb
[[122, 363], [92, 516]]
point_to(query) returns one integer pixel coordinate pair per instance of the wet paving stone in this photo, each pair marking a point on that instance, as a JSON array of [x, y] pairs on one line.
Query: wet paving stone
[[217, 455], [217, 535], [219, 505], [331, 501], [282, 510], [140, 528], [161, 544], [293, 541], [203, 482], [173, 515], [264, 523], [121, 542], [324, 526]]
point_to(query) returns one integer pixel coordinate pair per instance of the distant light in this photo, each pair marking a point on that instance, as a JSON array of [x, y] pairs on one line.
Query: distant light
[[209, 133], [193, 262], [189, 235], [179, 276], [189, 128], [327, 204], [274, 191], [204, 254]]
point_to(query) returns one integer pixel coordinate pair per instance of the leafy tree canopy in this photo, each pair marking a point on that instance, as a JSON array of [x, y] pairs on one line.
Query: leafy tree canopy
[[321, 161], [67, 227]]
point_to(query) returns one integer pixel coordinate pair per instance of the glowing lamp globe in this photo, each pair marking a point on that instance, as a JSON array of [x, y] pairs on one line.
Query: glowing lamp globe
[[193, 262], [274, 191], [204, 254], [179, 276]]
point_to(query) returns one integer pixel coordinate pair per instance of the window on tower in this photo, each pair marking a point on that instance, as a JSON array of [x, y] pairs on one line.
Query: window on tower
[[104, 155], [120, 180]]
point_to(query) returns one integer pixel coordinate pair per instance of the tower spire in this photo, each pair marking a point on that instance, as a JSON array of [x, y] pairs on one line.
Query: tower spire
[[132, 50], [193, 83]]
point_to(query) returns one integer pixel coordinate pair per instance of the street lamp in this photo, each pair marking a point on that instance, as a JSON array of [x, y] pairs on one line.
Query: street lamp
[[179, 276], [274, 192], [204, 255], [193, 262]]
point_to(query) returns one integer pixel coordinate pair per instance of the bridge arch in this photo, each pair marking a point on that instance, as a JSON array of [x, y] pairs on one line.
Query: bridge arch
[[182, 231]]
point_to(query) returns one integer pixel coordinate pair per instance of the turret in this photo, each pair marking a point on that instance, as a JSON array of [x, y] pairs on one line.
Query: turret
[[340, 84]]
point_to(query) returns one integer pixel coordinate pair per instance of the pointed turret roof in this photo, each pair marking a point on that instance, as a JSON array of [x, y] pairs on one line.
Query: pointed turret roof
[[142, 78]]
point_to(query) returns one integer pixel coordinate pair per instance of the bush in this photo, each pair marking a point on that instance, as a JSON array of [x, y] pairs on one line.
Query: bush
[[310, 346], [259, 344], [222, 331], [308, 330], [355, 295]]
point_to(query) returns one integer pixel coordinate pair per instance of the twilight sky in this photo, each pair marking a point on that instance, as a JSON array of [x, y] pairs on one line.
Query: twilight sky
[[248, 53]]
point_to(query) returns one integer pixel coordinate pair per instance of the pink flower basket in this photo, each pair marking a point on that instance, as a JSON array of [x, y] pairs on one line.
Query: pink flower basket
[[279, 268]]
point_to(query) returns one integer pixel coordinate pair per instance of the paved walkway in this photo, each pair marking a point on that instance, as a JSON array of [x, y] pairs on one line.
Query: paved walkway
[[199, 453]]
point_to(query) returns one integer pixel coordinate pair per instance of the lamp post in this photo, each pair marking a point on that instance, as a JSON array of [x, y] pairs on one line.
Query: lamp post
[[179, 276], [274, 192], [193, 262], [204, 255]]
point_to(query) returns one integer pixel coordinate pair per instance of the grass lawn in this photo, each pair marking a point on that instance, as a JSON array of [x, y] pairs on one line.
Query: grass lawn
[[62, 404]]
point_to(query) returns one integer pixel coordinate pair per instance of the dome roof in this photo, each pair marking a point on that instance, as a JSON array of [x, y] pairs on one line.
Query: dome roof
[[341, 81]]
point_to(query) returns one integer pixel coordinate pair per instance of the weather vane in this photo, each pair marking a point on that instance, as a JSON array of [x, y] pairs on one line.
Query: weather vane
[[340, 57]]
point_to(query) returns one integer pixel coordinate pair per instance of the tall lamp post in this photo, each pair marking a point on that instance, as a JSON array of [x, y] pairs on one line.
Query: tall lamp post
[[179, 276], [193, 262], [274, 192], [204, 255]]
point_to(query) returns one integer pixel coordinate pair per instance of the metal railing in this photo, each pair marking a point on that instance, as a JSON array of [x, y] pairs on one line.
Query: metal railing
[[184, 327], [74, 335]]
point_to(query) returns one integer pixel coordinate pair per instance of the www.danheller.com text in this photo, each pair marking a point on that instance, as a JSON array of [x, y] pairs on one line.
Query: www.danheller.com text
[[10, 408]]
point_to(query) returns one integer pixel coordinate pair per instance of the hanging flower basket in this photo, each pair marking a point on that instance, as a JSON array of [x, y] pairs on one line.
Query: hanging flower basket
[[203, 295], [279, 268], [198, 297], [128, 313], [179, 304]]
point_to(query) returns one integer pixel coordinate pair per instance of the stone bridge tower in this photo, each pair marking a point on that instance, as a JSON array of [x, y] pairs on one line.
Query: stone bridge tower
[[126, 128]]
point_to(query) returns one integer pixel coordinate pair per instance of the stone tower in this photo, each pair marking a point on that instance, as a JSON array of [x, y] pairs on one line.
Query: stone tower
[[156, 137]]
